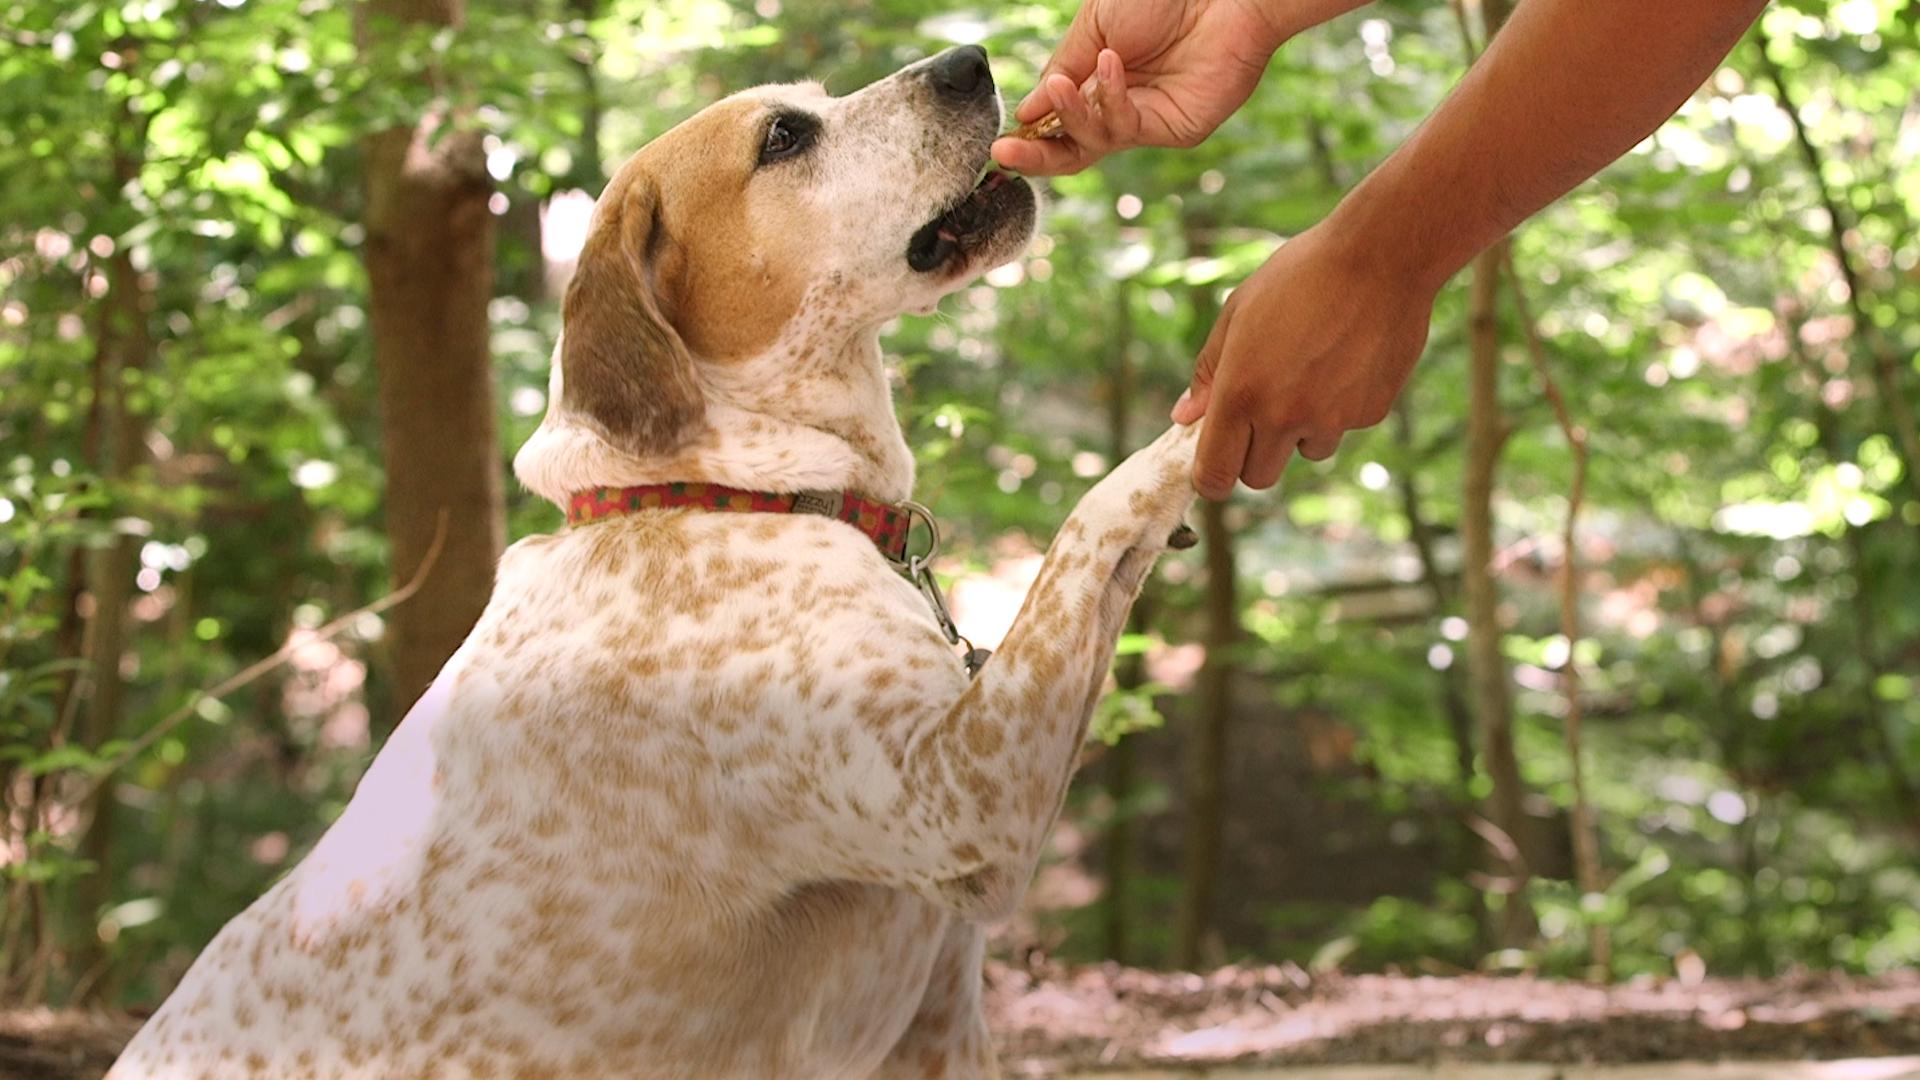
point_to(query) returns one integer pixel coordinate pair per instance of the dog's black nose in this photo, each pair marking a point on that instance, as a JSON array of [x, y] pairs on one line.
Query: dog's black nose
[[962, 72]]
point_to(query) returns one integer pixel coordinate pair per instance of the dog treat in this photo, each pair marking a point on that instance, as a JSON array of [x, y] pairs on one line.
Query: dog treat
[[1050, 126], [1047, 127]]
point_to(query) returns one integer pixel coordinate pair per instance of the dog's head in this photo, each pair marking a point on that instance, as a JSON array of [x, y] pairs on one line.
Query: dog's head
[[767, 212]]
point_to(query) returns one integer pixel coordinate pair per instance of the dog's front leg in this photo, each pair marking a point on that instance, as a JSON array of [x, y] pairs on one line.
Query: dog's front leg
[[1018, 730], [959, 812]]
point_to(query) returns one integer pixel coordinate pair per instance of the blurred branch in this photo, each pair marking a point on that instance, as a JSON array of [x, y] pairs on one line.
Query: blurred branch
[[1440, 585], [1867, 589], [1453, 436], [330, 199], [1321, 144], [1505, 848], [259, 668], [1586, 847], [1886, 373], [1466, 30]]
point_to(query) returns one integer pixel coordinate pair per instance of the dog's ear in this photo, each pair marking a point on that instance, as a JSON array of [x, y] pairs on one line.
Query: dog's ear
[[624, 368]]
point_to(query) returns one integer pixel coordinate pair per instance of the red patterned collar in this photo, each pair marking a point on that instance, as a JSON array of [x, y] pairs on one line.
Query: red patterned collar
[[886, 524]]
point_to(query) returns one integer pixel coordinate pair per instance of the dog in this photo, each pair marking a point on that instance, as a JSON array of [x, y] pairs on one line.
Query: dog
[[711, 794]]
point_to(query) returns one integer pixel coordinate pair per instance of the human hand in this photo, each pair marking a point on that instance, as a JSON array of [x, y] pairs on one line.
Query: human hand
[[1142, 73], [1315, 343]]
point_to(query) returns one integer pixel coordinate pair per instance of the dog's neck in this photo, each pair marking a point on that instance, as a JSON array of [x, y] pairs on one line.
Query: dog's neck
[[813, 412]]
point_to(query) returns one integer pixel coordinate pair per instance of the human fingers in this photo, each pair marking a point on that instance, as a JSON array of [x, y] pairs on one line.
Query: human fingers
[[1082, 121], [1086, 123], [1074, 57], [1111, 102], [1267, 457], [1041, 157], [1221, 456], [1320, 447]]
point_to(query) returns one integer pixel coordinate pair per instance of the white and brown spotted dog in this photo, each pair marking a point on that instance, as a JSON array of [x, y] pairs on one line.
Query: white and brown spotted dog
[[709, 795]]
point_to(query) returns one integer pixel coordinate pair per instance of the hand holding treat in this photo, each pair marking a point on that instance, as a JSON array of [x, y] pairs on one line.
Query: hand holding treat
[[1319, 340], [1130, 73]]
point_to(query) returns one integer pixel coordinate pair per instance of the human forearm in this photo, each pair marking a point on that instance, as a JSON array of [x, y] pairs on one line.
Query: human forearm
[[1566, 87]]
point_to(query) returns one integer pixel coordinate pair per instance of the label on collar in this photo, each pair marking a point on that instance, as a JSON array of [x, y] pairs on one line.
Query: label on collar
[[824, 503]]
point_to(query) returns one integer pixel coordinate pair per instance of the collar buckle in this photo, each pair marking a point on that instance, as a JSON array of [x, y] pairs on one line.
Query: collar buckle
[[917, 512]]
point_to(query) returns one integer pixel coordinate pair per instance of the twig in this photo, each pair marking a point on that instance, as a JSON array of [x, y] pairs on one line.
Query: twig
[[1503, 844], [1586, 848], [1466, 30], [259, 668]]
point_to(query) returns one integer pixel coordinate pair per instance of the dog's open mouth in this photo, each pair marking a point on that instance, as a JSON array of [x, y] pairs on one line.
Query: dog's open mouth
[[949, 240]]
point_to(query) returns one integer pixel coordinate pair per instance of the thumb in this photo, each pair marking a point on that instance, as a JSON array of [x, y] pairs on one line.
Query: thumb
[[1075, 58], [1193, 401]]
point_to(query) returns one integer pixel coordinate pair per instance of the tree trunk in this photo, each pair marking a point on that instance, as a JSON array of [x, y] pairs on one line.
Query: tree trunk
[[1486, 665], [586, 173], [125, 347], [1130, 671], [1207, 753], [1453, 695], [1122, 762], [430, 262], [1452, 680]]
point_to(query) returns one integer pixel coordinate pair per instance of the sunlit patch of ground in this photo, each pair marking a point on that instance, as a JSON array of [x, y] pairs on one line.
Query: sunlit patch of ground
[[1053, 1021]]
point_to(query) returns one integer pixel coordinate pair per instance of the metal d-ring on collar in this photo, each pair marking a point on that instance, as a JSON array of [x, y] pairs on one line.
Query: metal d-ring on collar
[[919, 570]]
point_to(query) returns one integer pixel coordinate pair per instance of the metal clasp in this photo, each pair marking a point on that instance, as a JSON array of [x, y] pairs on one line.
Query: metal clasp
[[919, 570], [922, 575]]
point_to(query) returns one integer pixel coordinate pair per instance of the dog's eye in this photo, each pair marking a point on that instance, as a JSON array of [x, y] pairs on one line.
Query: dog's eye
[[786, 136]]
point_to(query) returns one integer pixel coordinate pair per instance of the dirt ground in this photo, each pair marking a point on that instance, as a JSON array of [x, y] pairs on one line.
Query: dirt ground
[[36, 1044], [1057, 1021]]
